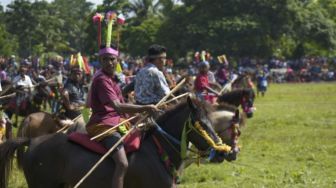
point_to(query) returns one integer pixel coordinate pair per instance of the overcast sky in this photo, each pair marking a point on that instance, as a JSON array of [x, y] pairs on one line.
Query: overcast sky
[[4, 3]]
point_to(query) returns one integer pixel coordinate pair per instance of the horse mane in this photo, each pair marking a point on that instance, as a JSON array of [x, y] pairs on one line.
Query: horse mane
[[207, 107], [240, 77], [233, 94]]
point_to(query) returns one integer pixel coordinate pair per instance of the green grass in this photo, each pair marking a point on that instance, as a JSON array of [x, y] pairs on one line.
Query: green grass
[[290, 142]]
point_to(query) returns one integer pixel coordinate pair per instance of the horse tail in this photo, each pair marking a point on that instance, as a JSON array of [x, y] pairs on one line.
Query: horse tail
[[7, 150]]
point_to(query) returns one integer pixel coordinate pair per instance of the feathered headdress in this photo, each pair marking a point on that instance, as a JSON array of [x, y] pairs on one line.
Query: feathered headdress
[[97, 19], [110, 18], [78, 61]]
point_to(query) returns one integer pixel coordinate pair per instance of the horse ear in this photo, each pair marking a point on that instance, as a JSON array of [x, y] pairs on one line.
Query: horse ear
[[191, 103]]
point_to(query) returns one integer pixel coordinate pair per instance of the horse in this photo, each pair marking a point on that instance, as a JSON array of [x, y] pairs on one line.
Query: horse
[[42, 123], [240, 97], [243, 81], [53, 161]]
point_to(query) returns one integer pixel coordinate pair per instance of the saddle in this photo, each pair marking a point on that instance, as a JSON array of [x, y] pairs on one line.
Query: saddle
[[132, 142]]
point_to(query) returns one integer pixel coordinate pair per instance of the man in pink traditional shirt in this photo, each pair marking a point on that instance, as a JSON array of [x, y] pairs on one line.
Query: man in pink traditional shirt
[[108, 108]]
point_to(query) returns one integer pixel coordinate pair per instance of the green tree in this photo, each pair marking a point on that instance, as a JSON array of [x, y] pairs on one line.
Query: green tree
[[138, 38], [247, 28], [20, 21], [8, 43], [74, 15]]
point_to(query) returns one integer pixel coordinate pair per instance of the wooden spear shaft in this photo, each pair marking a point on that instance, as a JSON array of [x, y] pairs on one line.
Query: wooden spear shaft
[[67, 126], [227, 85]]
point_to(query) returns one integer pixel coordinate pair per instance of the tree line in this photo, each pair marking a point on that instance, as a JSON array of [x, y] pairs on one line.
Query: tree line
[[238, 28]]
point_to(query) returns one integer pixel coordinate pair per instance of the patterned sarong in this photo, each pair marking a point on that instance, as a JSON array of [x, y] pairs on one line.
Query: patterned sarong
[[94, 130]]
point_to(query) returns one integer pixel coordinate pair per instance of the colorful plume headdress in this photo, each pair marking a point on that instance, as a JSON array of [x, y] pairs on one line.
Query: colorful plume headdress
[[111, 17], [78, 61], [203, 56]]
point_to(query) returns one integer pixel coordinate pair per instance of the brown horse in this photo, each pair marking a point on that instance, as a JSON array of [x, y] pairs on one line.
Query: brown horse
[[52, 161], [42, 123], [240, 97]]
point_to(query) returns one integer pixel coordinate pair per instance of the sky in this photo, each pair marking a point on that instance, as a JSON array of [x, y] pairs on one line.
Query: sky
[[4, 3]]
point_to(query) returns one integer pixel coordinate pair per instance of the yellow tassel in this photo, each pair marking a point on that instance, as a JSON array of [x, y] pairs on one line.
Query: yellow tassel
[[218, 147], [118, 68]]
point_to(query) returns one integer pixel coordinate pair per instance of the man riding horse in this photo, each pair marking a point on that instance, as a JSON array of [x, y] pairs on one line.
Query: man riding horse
[[73, 98], [150, 83], [108, 105], [204, 88]]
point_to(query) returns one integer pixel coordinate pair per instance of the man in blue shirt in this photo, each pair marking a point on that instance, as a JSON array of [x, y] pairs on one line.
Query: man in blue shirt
[[150, 83]]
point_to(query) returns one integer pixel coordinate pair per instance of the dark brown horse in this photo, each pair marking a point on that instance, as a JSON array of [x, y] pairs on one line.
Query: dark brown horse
[[52, 161], [240, 97]]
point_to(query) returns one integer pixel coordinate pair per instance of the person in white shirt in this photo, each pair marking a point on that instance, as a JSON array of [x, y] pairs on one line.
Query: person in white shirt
[[24, 87]]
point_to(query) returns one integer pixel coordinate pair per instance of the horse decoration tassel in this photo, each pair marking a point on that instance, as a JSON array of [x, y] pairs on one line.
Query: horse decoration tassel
[[217, 146]]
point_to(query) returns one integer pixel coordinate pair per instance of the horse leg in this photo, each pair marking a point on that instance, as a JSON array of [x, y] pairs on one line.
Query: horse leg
[[9, 133], [7, 150]]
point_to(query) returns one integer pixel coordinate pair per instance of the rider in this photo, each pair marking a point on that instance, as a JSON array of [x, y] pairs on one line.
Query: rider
[[73, 98], [108, 107], [202, 85], [24, 87], [222, 74], [150, 83]]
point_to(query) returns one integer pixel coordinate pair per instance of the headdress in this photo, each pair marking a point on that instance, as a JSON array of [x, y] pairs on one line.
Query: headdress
[[110, 18], [203, 56], [79, 62]]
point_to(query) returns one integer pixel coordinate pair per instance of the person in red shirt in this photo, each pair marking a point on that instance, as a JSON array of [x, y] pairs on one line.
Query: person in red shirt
[[108, 109], [202, 85]]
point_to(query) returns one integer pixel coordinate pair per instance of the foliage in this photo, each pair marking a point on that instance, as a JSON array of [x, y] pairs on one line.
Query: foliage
[[8, 43], [255, 28]]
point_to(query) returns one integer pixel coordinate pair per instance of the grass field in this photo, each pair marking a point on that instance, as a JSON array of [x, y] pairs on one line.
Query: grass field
[[290, 142]]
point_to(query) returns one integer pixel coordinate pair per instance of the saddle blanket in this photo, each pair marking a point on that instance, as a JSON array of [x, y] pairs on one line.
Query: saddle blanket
[[131, 143]]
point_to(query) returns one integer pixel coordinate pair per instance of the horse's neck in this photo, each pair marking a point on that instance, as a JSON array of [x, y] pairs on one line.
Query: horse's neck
[[173, 126], [233, 99]]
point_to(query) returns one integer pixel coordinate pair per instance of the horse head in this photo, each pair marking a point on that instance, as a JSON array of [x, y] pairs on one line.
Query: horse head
[[228, 129], [201, 132], [247, 102], [240, 97], [227, 121]]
